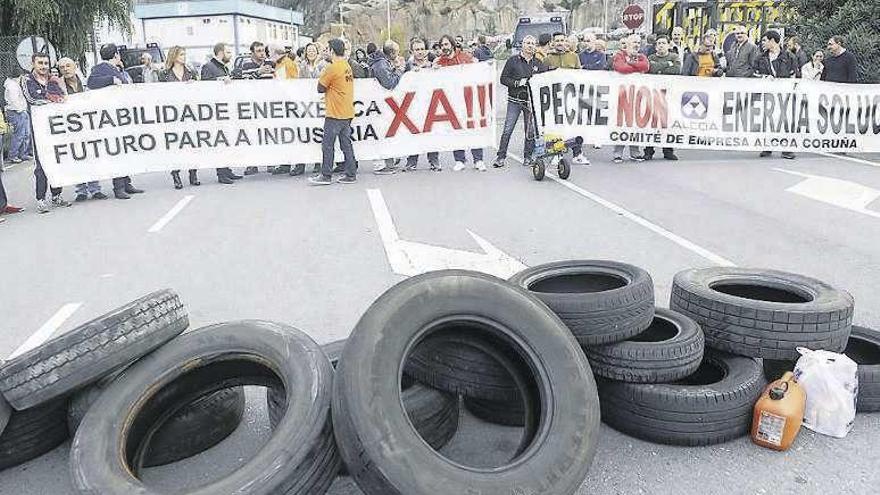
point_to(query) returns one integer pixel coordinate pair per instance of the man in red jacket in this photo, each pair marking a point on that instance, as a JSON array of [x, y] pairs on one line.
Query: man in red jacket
[[628, 60], [452, 55]]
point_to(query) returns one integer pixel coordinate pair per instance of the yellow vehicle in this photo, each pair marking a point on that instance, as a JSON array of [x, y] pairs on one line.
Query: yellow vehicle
[[697, 17]]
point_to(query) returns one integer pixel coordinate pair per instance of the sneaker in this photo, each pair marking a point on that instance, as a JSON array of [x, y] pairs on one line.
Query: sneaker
[[385, 170], [12, 209], [597, 146], [459, 166], [2, 219], [99, 195], [479, 165], [436, 167], [345, 179], [27, 158], [59, 202], [580, 160], [637, 158], [409, 168], [80, 198], [618, 159], [765, 154], [250, 171], [15, 160], [670, 156], [42, 207], [788, 155], [500, 163], [320, 180]]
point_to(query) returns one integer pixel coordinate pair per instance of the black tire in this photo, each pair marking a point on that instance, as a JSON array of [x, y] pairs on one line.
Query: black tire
[[459, 364], [195, 428], [863, 347], [775, 368], [538, 169], [563, 169], [434, 414], [763, 313], [600, 301], [509, 413], [300, 458], [669, 350], [33, 432], [87, 353], [371, 425], [714, 405], [5, 413]]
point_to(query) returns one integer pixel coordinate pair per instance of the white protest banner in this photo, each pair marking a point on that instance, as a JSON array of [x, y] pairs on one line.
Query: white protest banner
[[132, 129], [708, 113]]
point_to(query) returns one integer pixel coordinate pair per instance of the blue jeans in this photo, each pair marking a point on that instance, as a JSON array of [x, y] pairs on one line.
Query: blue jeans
[[476, 153], [88, 188], [513, 111], [433, 159], [341, 129], [21, 135]]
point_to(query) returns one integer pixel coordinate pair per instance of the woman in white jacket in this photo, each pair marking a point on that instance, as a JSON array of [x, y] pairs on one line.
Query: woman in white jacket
[[813, 69]]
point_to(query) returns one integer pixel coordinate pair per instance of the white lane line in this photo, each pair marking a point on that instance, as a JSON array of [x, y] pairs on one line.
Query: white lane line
[[848, 158], [48, 329], [162, 222], [681, 241]]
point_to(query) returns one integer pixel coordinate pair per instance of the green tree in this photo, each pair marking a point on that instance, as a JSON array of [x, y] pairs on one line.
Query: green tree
[[856, 20], [66, 23]]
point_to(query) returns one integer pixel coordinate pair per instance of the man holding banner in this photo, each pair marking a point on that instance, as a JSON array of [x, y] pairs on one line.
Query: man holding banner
[[108, 73], [776, 63], [337, 85], [452, 55]]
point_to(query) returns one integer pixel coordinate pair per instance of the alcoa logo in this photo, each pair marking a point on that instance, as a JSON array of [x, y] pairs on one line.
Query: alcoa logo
[[695, 105]]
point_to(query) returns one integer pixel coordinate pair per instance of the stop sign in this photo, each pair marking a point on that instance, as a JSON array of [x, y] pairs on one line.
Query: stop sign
[[633, 16]]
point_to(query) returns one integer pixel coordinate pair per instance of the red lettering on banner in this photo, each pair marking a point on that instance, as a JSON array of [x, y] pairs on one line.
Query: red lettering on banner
[[642, 108], [400, 116], [438, 98], [481, 91], [469, 105]]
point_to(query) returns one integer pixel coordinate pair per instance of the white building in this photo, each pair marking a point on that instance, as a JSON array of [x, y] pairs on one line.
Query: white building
[[198, 24]]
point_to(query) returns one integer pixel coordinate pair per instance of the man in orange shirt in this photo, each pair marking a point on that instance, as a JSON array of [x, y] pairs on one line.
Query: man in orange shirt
[[337, 84]]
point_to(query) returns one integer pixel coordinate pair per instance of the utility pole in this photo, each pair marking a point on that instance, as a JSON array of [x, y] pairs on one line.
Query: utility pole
[[388, 12]]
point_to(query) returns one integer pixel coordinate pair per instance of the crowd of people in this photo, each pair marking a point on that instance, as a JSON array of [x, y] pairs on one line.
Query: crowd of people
[[336, 64]]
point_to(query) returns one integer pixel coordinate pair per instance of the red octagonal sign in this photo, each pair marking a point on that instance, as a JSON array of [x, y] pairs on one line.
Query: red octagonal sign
[[633, 16]]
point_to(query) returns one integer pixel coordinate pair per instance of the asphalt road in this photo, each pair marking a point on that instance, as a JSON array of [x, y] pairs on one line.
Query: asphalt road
[[274, 248]]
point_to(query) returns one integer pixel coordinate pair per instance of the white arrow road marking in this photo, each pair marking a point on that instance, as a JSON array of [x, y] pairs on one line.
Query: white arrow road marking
[[837, 192], [47, 330], [410, 258]]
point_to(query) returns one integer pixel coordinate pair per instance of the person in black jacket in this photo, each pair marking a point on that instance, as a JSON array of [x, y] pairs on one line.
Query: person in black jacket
[[108, 73], [217, 69], [515, 75], [841, 66], [776, 63]]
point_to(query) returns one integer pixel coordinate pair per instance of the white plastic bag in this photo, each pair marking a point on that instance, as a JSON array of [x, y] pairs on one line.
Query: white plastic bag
[[832, 385]]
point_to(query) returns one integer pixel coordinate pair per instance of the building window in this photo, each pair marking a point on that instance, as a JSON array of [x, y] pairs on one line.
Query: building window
[[206, 20]]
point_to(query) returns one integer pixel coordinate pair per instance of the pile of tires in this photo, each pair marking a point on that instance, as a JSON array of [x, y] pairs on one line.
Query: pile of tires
[[659, 376], [548, 351], [655, 378], [134, 391]]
